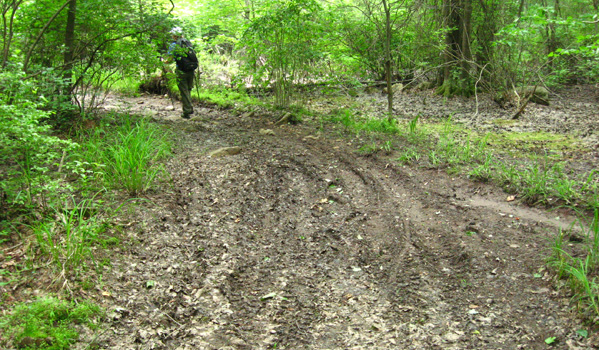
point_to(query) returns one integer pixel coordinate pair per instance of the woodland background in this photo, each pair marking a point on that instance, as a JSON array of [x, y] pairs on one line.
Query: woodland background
[[60, 59]]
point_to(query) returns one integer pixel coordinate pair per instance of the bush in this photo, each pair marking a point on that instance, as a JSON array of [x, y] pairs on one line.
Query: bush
[[27, 148]]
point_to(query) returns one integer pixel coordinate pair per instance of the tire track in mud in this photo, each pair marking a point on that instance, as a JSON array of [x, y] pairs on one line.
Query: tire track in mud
[[303, 244], [319, 252]]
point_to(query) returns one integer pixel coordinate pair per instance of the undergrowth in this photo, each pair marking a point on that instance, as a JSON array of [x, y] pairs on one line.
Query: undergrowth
[[60, 235], [223, 98]]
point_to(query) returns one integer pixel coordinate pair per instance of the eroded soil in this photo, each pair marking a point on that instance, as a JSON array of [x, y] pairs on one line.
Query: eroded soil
[[299, 242]]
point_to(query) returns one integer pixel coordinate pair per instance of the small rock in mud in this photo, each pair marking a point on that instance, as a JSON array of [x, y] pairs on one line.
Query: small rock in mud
[[287, 118], [250, 114], [225, 151], [266, 132]]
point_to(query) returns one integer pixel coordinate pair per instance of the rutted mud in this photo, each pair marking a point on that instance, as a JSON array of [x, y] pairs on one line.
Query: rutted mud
[[298, 242]]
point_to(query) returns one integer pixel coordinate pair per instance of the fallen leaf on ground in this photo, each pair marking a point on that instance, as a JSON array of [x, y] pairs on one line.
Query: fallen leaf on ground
[[268, 296]]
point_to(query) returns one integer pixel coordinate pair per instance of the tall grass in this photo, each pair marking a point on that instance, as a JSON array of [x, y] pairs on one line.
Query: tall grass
[[127, 156], [69, 236]]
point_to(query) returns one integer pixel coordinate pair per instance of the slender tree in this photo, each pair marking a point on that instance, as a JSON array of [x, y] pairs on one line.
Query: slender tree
[[388, 64], [9, 10], [69, 43]]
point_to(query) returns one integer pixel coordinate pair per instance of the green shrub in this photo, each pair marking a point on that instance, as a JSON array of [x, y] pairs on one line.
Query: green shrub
[[28, 150]]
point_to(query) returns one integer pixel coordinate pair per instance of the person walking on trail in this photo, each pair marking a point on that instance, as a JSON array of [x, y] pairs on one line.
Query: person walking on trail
[[186, 61]]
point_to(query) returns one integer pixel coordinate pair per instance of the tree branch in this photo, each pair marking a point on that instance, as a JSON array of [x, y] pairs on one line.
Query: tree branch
[[41, 33]]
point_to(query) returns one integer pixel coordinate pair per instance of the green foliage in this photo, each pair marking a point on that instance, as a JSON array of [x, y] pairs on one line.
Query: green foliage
[[361, 31], [284, 43], [28, 150], [47, 323], [578, 63], [224, 98], [544, 44], [111, 40], [280, 44], [359, 124]]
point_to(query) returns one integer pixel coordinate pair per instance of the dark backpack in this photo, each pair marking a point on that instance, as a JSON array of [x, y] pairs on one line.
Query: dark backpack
[[185, 56]]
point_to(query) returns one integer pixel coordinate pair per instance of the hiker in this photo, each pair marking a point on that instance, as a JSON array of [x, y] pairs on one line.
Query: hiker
[[182, 52]]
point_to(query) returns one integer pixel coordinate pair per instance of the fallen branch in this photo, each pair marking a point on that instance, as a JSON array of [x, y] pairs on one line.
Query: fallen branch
[[527, 98]]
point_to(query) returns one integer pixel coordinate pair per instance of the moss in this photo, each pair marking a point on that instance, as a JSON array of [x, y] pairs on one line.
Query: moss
[[523, 144], [48, 323], [505, 122]]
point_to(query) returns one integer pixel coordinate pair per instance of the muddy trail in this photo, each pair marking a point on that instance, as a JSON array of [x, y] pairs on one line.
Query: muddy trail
[[296, 241]]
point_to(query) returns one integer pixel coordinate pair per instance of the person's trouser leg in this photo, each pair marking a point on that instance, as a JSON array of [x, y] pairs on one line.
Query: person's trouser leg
[[185, 84]]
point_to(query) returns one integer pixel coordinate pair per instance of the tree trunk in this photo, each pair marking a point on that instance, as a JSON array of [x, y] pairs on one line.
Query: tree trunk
[[551, 43], [447, 53], [7, 28], [41, 34], [596, 7], [69, 41], [457, 20], [521, 8], [387, 9], [249, 10], [465, 44], [486, 35]]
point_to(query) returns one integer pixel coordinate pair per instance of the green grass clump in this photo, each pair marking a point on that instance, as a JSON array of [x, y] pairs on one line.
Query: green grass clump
[[580, 271], [223, 98], [69, 236], [126, 156], [360, 124], [47, 323]]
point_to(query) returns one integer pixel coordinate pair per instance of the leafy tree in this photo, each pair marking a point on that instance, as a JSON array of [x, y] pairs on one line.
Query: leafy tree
[[281, 43], [55, 53], [81, 39]]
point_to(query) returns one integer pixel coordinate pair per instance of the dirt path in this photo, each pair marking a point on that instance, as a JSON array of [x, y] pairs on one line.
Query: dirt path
[[297, 242]]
